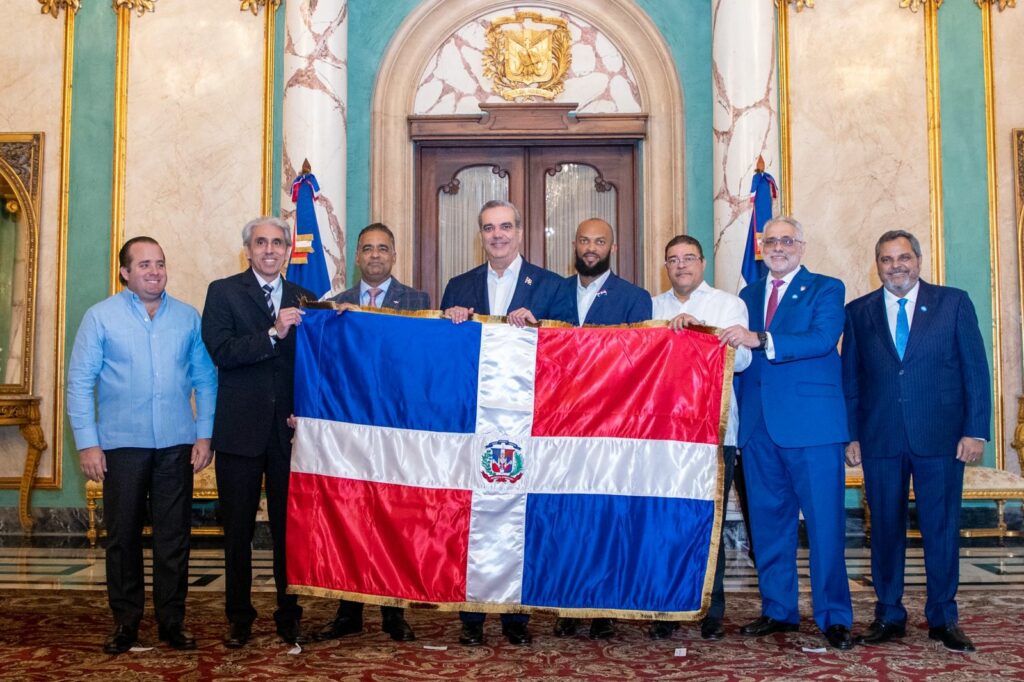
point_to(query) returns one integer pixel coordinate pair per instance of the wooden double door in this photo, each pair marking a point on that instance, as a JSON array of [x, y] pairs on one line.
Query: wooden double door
[[555, 186]]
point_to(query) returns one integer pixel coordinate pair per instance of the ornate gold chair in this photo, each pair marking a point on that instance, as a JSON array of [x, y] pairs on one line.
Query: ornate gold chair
[[204, 487]]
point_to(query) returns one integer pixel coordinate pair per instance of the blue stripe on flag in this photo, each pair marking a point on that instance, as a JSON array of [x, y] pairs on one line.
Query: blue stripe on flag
[[616, 552], [428, 382]]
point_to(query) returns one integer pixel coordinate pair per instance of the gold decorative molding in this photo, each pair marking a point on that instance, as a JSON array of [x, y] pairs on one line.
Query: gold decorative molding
[[914, 5], [931, 60], [124, 22], [140, 6], [1001, 4], [255, 6], [993, 229], [785, 136], [530, 61], [800, 5], [53, 7], [269, 55]]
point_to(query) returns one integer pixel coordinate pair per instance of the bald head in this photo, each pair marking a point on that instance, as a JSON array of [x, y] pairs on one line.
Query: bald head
[[595, 227], [594, 244]]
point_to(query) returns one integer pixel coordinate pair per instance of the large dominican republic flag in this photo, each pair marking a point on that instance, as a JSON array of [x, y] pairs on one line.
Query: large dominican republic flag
[[491, 468]]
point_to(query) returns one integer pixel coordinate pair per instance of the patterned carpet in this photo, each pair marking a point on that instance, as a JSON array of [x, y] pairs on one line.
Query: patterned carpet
[[48, 635]]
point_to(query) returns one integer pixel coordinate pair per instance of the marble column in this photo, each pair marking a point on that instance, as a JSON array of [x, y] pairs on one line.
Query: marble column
[[745, 123], [315, 116]]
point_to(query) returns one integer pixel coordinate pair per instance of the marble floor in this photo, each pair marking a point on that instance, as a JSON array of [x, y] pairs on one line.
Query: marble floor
[[40, 568]]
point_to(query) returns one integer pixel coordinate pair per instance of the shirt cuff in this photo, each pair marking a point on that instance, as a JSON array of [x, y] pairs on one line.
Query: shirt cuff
[[769, 347], [86, 438]]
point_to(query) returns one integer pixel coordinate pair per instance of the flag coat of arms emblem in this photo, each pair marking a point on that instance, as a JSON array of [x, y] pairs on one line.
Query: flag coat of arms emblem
[[484, 467]]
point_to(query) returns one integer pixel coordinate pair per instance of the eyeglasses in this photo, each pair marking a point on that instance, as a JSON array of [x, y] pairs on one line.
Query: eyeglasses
[[688, 259], [772, 242]]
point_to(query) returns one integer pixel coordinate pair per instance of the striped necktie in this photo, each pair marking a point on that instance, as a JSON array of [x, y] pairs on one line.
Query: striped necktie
[[267, 292]]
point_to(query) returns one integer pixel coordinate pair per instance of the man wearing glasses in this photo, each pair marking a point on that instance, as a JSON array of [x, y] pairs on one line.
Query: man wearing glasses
[[505, 285], [692, 301], [792, 432]]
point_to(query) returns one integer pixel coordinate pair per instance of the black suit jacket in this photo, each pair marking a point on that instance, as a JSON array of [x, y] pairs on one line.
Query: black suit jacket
[[256, 375], [399, 297]]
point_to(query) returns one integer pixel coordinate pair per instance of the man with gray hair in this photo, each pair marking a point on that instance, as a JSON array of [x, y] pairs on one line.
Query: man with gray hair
[[247, 323]]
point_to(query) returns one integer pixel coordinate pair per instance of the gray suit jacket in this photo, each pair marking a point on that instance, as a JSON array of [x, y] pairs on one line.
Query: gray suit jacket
[[399, 297]]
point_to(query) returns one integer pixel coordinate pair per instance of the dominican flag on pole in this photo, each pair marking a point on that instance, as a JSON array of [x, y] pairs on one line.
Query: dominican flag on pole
[[762, 191], [308, 266], [483, 467]]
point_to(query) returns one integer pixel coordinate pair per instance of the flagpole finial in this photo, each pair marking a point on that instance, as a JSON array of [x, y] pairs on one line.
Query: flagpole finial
[[306, 168], [760, 163]]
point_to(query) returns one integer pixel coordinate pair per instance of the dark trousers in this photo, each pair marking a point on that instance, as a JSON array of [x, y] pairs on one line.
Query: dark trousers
[[475, 617], [781, 482], [717, 608], [239, 478], [354, 609], [163, 477], [938, 484]]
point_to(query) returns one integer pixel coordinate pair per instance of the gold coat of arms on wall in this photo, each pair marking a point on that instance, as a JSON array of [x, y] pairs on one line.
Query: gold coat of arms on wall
[[528, 55]]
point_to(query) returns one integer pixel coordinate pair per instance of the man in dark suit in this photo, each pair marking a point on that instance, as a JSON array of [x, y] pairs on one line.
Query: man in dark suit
[[375, 256], [247, 323], [595, 295], [792, 433], [505, 285], [919, 404]]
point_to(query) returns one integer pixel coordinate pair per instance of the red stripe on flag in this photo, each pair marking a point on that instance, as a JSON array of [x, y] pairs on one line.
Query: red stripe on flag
[[628, 383], [378, 538]]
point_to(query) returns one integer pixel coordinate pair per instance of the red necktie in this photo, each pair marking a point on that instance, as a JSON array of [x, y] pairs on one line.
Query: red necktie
[[773, 302], [374, 293]]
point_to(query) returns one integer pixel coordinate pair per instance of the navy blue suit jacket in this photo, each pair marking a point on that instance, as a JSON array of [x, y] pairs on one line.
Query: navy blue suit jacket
[[939, 392], [619, 302], [799, 393], [399, 297], [536, 290]]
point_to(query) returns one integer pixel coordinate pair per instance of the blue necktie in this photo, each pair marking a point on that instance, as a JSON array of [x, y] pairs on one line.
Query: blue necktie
[[902, 328]]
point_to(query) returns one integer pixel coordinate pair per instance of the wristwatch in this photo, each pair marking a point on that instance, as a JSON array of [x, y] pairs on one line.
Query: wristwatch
[[272, 332], [762, 337]]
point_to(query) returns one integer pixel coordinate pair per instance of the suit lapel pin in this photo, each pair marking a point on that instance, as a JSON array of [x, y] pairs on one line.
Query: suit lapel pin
[[529, 282], [601, 293]]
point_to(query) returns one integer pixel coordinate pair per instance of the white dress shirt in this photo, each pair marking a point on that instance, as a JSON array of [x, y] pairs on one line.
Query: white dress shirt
[[586, 295], [275, 295], [892, 308], [500, 288], [716, 308], [769, 346]]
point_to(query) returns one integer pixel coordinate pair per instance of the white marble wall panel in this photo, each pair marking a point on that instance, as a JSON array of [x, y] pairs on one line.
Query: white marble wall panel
[[315, 117], [31, 83], [195, 126], [599, 79], [1008, 58], [745, 123], [859, 134]]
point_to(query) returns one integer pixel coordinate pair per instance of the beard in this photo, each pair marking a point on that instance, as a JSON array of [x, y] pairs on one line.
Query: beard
[[597, 269]]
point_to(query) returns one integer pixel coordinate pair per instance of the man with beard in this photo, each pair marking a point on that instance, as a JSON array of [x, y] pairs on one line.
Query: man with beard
[[377, 288], [919, 403], [692, 301], [248, 325], [505, 285], [595, 295]]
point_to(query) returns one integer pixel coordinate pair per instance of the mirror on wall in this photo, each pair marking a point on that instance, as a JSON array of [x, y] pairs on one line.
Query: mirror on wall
[[20, 180]]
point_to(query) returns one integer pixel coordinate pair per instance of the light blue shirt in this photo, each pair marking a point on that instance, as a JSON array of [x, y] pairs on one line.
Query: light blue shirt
[[364, 292], [131, 378]]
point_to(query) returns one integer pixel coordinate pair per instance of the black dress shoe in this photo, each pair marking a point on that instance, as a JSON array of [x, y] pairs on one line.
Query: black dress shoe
[[712, 629], [120, 640], [472, 634], [880, 632], [839, 637], [766, 626], [601, 628], [238, 635], [290, 632], [397, 628], [177, 637], [340, 627], [566, 627], [516, 633], [953, 638], [661, 629]]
